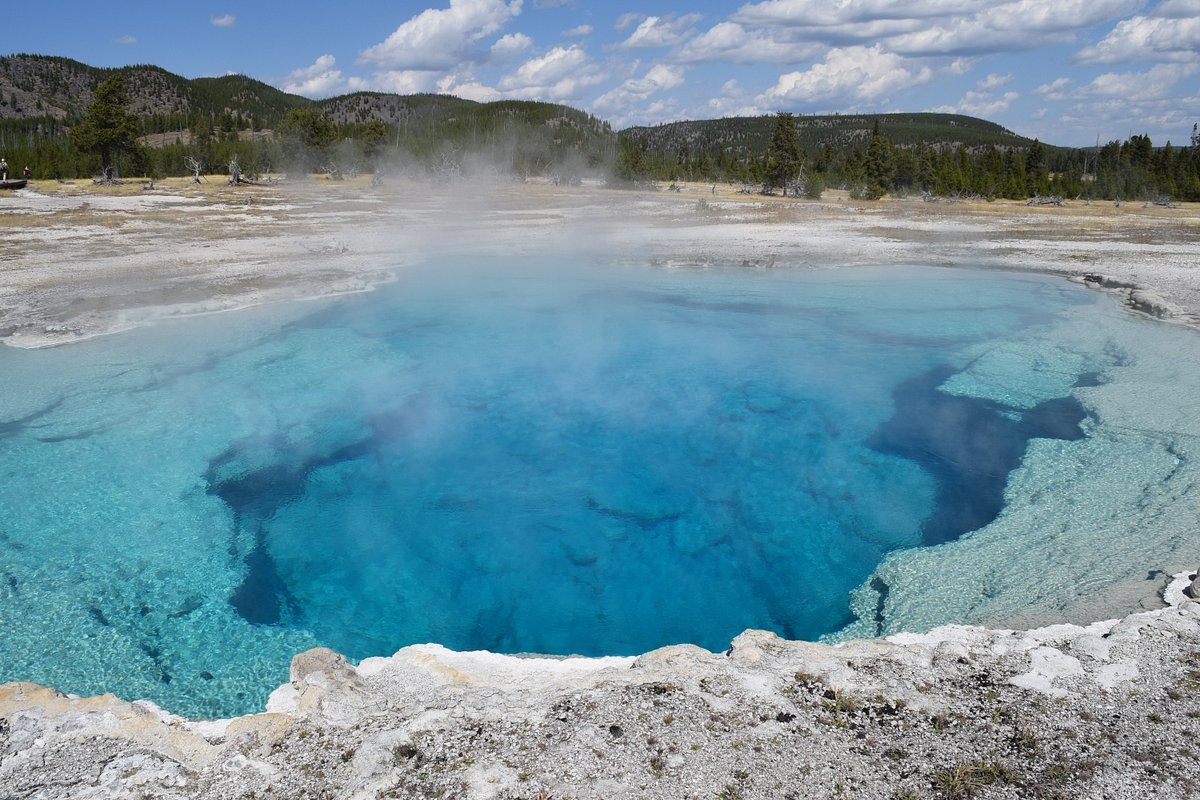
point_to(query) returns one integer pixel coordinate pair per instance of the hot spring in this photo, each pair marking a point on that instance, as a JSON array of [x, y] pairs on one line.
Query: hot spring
[[601, 461]]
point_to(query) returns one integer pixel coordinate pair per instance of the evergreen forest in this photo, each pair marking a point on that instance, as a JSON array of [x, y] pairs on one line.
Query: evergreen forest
[[901, 154]]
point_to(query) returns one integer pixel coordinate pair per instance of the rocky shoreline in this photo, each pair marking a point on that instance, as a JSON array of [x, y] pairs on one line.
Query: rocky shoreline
[[1106, 710]]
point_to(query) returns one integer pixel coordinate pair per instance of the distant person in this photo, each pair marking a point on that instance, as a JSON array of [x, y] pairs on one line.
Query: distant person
[[3, 170], [27, 173]]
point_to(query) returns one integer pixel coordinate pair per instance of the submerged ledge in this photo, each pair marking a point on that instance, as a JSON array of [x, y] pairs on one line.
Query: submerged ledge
[[1140, 299], [1080, 711]]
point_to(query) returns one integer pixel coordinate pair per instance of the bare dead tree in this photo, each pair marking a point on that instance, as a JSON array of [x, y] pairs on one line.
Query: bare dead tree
[[106, 178], [235, 172], [796, 186], [196, 166], [449, 167]]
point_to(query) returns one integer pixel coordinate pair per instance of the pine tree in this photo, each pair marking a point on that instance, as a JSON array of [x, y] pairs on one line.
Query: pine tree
[[109, 129], [306, 135], [632, 163], [783, 153], [1036, 172], [880, 166], [374, 138]]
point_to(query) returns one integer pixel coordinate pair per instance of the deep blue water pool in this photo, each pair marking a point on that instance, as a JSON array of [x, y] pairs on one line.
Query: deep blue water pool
[[513, 457]]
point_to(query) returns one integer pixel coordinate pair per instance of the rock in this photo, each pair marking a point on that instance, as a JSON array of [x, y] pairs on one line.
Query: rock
[[329, 690], [263, 731], [1193, 588], [1152, 304], [882, 718], [46, 714], [320, 662]]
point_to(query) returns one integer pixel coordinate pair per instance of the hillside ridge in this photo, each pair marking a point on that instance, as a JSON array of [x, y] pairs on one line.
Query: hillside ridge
[[60, 88]]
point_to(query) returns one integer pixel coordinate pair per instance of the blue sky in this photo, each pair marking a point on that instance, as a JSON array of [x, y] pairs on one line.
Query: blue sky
[[1065, 71]]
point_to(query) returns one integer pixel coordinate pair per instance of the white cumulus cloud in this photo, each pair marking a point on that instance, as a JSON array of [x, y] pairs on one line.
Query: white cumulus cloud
[[1011, 27], [407, 81], [224, 21], [1157, 82], [1162, 117], [660, 32], [982, 101], [934, 27], [579, 30], [319, 79], [1156, 38], [627, 19], [1177, 9], [510, 46], [980, 104], [818, 13], [732, 43], [635, 91], [1054, 90], [125, 40], [440, 38], [851, 21], [733, 101], [559, 75], [864, 73], [468, 88]]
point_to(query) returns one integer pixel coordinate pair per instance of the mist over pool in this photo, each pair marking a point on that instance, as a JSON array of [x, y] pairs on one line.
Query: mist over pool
[[531, 457]]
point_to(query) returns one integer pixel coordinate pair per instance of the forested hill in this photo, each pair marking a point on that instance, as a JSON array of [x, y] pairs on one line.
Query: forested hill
[[61, 89], [42, 98], [531, 135], [736, 139], [877, 154]]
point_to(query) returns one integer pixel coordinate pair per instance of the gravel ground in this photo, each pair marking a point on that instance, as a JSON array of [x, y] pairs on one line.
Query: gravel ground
[[1103, 711]]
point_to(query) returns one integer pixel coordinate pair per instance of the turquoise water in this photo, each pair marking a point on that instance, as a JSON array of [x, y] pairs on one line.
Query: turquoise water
[[509, 457]]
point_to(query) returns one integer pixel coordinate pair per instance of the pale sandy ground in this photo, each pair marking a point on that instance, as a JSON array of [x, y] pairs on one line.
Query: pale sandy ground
[[76, 260]]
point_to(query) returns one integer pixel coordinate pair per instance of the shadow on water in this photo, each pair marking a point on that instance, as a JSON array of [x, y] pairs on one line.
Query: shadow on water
[[257, 478], [254, 496], [969, 446]]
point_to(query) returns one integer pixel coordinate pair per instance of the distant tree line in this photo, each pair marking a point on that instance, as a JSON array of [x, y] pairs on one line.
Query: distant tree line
[[440, 133], [871, 168]]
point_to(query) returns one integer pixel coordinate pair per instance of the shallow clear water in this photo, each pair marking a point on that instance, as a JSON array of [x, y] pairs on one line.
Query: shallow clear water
[[515, 458]]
